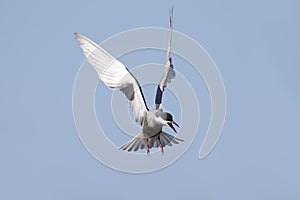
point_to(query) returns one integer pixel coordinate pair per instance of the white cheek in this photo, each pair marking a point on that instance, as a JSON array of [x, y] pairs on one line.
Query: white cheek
[[161, 121]]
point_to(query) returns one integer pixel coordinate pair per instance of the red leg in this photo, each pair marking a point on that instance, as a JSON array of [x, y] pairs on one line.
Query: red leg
[[161, 146], [147, 147]]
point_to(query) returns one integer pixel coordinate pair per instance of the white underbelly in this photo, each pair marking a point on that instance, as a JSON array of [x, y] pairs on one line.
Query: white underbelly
[[152, 129], [149, 132], [151, 126]]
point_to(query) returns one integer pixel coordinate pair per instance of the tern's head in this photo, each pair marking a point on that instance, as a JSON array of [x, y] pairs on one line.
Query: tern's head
[[167, 119]]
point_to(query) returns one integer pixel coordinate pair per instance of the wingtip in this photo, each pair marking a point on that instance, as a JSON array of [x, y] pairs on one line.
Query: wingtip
[[171, 11], [78, 36]]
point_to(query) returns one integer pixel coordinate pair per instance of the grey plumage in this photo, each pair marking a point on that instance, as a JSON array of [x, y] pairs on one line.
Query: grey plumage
[[140, 141], [116, 76]]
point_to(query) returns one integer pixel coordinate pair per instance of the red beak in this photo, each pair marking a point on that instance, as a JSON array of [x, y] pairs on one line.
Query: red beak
[[171, 125], [176, 124]]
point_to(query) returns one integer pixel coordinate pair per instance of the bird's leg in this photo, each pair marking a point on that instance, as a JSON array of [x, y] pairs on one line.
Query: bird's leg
[[161, 146], [161, 149], [147, 146]]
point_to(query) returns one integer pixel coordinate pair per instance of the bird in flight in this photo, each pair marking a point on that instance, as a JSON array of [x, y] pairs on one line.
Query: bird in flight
[[116, 76]]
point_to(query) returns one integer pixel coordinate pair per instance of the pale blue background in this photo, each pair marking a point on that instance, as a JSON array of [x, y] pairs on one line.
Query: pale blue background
[[256, 46]]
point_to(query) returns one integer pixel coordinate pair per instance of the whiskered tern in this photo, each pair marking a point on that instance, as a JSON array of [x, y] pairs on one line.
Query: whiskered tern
[[116, 76]]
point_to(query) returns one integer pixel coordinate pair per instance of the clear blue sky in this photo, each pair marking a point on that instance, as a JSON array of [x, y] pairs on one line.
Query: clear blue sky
[[256, 46]]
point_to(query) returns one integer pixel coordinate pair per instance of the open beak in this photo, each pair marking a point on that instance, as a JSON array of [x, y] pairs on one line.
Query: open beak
[[171, 125]]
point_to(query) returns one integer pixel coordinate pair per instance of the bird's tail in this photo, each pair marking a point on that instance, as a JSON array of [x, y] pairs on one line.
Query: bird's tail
[[166, 140], [140, 141]]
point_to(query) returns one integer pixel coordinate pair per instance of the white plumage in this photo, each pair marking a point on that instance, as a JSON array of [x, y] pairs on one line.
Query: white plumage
[[116, 76]]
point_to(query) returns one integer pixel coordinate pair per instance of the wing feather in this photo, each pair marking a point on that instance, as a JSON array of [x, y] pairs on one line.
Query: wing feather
[[169, 72], [115, 76]]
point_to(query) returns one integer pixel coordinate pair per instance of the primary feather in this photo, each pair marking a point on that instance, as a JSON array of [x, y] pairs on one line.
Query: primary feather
[[169, 72], [115, 75]]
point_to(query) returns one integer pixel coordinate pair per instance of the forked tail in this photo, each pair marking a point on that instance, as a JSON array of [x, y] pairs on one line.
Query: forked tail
[[161, 139]]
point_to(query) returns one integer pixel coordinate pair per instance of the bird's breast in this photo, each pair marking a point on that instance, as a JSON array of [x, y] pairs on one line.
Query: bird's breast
[[151, 128]]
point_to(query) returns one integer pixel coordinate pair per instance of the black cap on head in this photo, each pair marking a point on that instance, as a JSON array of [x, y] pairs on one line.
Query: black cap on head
[[169, 117]]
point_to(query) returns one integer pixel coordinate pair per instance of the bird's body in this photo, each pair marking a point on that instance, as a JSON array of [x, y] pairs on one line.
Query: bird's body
[[152, 134], [151, 125], [116, 76]]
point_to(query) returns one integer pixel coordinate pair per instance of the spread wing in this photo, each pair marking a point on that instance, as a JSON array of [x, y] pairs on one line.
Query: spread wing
[[115, 75], [169, 69]]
